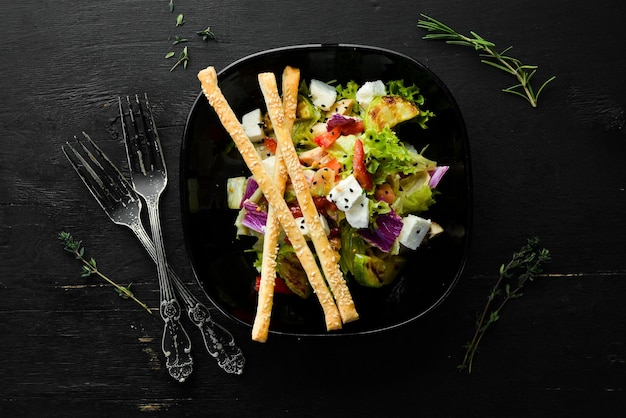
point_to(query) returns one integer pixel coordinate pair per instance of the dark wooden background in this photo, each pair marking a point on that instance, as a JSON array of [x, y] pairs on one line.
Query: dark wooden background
[[71, 347]]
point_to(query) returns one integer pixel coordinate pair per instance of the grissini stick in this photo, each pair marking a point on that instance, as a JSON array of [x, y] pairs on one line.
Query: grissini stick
[[265, 298]]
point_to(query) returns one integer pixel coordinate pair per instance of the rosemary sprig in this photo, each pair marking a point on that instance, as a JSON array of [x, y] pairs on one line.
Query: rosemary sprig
[[89, 267], [523, 267], [506, 63]]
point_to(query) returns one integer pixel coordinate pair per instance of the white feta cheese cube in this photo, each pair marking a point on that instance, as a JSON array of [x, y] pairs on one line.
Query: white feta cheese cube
[[345, 193], [252, 123], [358, 216], [368, 91], [269, 163], [322, 94], [301, 223], [414, 229], [325, 225]]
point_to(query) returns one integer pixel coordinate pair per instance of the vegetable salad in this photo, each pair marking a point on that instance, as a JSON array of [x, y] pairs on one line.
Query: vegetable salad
[[368, 186]]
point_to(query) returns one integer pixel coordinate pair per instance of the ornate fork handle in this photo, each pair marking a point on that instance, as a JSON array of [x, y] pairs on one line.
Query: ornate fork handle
[[176, 344], [218, 341]]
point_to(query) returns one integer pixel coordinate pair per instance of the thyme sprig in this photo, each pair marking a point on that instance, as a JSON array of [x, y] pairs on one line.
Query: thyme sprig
[[183, 58], [89, 267], [206, 34], [523, 73], [523, 267]]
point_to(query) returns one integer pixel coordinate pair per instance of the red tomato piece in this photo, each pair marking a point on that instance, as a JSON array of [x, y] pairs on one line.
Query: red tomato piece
[[270, 144], [296, 211], [334, 165], [358, 166], [279, 286], [326, 139]]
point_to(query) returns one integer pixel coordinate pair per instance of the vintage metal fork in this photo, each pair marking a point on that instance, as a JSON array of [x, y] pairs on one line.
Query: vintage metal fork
[[123, 206], [149, 178]]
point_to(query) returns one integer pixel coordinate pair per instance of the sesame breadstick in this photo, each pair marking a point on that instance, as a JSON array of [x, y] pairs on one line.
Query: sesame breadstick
[[260, 327]]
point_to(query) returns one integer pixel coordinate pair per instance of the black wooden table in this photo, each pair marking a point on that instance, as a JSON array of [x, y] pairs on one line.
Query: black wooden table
[[71, 347]]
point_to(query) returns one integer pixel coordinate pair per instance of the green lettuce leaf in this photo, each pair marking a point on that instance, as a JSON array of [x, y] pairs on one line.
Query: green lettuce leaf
[[413, 194], [388, 156], [347, 92]]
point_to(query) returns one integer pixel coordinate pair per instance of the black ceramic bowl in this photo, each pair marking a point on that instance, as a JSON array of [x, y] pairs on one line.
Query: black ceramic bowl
[[219, 259]]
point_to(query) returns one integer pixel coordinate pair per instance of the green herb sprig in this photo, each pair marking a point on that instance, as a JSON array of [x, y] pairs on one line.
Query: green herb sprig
[[523, 267], [506, 63], [179, 40], [180, 19], [89, 267], [206, 34], [183, 58]]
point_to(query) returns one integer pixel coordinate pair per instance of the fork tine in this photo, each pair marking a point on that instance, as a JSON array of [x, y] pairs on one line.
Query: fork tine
[[141, 135], [152, 133], [88, 176], [109, 170], [102, 178]]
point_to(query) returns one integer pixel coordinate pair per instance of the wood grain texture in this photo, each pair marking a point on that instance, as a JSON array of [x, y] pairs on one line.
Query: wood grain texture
[[72, 347]]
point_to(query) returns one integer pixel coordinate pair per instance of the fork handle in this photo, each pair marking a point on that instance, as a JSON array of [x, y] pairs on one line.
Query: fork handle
[[175, 343], [218, 341]]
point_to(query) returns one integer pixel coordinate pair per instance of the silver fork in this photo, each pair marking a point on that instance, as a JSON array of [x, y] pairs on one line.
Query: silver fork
[[119, 201], [149, 178]]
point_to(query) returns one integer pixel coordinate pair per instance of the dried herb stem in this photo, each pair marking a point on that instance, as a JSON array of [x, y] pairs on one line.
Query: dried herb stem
[[89, 267], [500, 60], [523, 267]]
